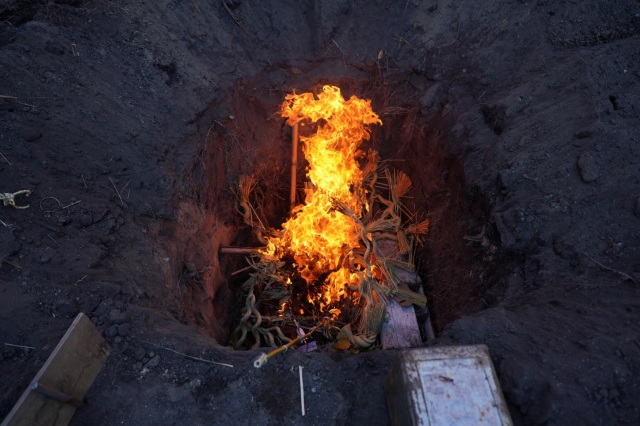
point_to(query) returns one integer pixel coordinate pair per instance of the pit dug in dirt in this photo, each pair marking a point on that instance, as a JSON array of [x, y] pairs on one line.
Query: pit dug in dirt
[[352, 234], [326, 261]]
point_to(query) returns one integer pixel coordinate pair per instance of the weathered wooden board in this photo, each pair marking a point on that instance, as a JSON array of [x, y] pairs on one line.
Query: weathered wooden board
[[441, 386], [400, 329], [69, 370]]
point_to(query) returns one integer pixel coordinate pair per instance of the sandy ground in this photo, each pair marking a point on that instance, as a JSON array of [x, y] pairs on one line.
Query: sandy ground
[[130, 121]]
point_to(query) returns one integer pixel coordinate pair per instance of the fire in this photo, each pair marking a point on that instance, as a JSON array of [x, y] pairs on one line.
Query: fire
[[343, 252], [318, 236]]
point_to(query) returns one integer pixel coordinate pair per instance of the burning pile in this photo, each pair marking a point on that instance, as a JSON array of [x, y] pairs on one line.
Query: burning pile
[[341, 253]]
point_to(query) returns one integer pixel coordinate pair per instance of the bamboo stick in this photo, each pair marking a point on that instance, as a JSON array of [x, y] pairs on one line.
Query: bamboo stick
[[239, 250], [239, 271], [263, 358], [301, 389], [294, 165]]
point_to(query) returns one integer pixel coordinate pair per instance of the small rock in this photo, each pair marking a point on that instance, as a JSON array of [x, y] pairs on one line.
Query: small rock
[[153, 362], [117, 317], [109, 224], [30, 135], [140, 353], [117, 339], [64, 220], [85, 220], [582, 134], [103, 307], [123, 330], [112, 331], [44, 259], [55, 47], [66, 307], [588, 167]]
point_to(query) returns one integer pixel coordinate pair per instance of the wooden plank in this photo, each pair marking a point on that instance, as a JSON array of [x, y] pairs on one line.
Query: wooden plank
[[69, 371], [400, 329]]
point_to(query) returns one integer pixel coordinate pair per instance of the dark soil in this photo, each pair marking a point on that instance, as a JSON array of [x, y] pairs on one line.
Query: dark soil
[[518, 122]]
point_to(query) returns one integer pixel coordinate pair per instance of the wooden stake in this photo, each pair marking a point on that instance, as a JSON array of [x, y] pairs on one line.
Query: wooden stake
[[294, 165], [239, 271], [240, 250], [301, 389]]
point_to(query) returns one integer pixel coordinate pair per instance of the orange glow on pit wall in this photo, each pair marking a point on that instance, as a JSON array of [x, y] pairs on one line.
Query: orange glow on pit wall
[[316, 235]]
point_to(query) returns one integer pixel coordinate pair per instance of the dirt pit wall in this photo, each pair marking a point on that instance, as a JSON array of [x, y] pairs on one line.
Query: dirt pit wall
[[247, 136]]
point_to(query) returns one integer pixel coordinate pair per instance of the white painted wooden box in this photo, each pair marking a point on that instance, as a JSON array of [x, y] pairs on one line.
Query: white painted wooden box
[[449, 385]]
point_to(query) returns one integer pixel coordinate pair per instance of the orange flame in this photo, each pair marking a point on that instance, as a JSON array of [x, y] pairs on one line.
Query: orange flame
[[317, 235]]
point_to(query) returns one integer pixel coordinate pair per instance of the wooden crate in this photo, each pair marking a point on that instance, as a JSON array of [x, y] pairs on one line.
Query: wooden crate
[[447, 385]]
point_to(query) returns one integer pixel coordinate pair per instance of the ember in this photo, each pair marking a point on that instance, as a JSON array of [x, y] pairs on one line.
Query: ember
[[341, 253]]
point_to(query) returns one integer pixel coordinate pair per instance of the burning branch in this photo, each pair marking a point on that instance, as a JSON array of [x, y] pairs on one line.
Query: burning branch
[[294, 165]]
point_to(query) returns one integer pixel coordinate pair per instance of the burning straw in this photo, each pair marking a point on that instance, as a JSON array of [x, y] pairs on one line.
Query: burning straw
[[325, 260]]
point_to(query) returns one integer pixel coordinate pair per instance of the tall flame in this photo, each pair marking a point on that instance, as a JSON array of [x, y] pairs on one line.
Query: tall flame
[[317, 236]]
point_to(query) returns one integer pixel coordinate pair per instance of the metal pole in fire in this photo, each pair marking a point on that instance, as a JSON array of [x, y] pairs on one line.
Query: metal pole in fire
[[294, 165]]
